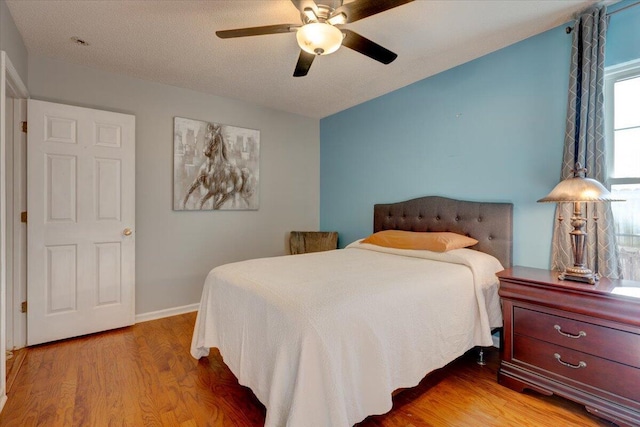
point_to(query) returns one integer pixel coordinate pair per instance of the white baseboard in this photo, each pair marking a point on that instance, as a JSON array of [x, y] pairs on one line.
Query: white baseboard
[[167, 312], [3, 400]]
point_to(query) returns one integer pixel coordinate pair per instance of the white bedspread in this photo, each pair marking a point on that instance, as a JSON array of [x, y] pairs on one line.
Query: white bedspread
[[323, 339]]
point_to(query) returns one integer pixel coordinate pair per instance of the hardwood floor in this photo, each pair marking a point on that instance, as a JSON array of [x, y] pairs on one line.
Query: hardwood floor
[[144, 376], [14, 362]]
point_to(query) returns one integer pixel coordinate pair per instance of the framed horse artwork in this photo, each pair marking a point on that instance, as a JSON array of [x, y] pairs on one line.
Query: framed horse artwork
[[215, 166]]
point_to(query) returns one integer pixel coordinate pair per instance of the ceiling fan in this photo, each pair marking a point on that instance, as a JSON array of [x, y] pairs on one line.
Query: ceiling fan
[[321, 33]]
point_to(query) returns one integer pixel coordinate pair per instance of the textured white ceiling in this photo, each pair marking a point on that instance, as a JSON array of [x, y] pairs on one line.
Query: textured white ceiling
[[174, 42]]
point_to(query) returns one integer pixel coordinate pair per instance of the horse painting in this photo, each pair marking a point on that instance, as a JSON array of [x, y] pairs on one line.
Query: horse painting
[[220, 179]]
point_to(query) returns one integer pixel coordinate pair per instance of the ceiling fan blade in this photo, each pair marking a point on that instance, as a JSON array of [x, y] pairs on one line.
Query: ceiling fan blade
[[366, 47], [257, 31], [304, 63], [360, 9]]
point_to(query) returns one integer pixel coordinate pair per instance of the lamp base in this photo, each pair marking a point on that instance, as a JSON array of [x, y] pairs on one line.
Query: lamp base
[[578, 274]]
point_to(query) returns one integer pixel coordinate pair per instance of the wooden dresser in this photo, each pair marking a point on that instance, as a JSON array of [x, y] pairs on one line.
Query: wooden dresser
[[578, 341]]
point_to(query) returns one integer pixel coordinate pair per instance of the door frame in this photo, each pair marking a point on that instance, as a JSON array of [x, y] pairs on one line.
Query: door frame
[[17, 252], [11, 85]]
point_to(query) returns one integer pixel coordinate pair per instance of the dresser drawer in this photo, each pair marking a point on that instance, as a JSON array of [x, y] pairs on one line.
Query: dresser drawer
[[601, 341], [600, 373]]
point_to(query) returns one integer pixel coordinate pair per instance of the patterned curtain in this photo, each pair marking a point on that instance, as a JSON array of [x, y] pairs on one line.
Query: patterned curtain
[[584, 143]]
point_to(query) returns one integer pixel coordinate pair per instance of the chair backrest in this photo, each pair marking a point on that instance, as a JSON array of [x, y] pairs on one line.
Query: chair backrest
[[301, 242]]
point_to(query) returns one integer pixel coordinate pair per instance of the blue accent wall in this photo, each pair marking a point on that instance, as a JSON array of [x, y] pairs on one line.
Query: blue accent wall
[[488, 130], [623, 35]]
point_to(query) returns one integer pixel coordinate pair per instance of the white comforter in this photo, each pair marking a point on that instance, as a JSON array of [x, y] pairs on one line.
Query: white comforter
[[323, 339]]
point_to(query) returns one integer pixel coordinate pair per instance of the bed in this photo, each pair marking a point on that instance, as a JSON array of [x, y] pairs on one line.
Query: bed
[[324, 339]]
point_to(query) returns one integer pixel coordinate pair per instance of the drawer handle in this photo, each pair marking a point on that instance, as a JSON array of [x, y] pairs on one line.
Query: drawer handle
[[569, 365], [564, 334]]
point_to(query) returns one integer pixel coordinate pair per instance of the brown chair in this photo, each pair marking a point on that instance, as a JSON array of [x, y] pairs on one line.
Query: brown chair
[[301, 242]]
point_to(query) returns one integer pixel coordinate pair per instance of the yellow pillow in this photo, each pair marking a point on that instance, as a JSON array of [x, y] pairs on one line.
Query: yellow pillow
[[436, 241]]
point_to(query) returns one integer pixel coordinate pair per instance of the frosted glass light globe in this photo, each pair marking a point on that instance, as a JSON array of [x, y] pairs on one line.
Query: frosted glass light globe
[[319, 38]]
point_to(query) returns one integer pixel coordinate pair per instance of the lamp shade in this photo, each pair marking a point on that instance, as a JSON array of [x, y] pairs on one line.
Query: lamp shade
[[319, 38], [579, 189]]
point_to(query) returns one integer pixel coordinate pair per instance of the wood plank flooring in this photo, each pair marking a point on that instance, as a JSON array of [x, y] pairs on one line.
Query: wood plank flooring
[[144, 376], [14, 362]]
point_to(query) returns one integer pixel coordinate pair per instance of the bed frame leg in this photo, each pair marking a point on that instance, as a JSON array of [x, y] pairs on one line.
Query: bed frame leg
[[481, 360]]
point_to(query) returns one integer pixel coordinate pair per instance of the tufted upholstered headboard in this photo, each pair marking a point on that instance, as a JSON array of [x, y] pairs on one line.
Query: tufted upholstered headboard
[[491, 224]]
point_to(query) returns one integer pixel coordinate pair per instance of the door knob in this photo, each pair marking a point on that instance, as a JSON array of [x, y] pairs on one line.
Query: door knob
[[127, 232]]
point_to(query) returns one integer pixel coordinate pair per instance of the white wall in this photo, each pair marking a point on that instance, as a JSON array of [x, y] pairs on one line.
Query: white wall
[[175, 250], [11, 42]]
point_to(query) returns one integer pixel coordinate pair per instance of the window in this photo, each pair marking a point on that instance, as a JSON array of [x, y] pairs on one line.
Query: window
[[622, 112]]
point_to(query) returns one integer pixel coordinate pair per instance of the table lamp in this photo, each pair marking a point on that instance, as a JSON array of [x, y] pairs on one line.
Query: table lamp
[[578, 189]]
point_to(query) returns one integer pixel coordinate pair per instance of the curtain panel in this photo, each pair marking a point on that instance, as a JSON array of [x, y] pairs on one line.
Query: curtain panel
[[584, 142]]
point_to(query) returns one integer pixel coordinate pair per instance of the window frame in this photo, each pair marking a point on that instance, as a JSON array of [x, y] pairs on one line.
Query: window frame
[[612, 75]]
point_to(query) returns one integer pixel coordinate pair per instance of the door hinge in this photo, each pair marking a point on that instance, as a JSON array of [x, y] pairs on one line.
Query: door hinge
[[23, 217], [24, 127], [23, 307]]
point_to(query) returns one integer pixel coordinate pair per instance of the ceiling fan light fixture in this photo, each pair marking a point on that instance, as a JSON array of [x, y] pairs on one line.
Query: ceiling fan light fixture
[[319, 38]]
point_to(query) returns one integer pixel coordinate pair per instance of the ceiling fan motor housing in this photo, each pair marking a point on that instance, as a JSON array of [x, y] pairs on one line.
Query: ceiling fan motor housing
[[319, 14]]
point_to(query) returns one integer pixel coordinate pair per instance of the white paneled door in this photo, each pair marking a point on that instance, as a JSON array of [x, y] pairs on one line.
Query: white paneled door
[[81, 218]]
